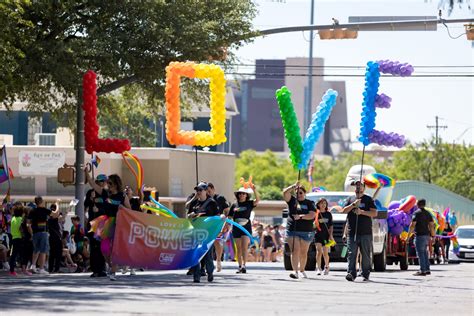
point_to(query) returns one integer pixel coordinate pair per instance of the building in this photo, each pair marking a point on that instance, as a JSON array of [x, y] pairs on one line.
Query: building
[[259, 127]]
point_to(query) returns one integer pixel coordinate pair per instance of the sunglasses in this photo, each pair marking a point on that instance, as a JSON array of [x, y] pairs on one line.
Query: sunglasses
[[199, 190], [301, 192], [241, 193]]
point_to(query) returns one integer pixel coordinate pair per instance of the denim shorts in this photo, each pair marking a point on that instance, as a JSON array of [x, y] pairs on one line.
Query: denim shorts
[[41, 242], [306, 236]]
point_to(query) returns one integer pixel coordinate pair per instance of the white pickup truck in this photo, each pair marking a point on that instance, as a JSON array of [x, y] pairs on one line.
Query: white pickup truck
[[379, 224]]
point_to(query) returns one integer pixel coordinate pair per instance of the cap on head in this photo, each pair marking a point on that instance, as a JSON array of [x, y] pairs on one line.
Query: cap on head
[[357, 182], [101, 177], [201, 186]]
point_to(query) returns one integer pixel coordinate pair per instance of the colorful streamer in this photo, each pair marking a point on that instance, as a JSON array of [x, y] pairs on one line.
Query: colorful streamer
[[161, 206], [139, 173]]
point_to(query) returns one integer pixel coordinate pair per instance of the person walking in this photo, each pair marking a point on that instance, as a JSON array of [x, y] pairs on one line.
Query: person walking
[[360, 210], [299, 228], [94, 203], [423, 225], [240, 211], [55, 242], [17, 238], [204, 206], [324, 230], [224, 207], [37, 225]]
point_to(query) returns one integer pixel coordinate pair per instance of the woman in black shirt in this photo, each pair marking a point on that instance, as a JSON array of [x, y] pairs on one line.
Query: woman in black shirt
[[299, 227], [324, 231], [240, 211], [115, 198]]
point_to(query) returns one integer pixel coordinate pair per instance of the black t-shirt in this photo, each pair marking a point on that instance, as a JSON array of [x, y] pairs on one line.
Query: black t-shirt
[[221, 203], [135, 203], [54, 228], [302, 207], [325, 222], [363, 223], [207, 207], [39, 219], [192, 204], [100, 201], [113, 202], [422, 218], [241, 211]]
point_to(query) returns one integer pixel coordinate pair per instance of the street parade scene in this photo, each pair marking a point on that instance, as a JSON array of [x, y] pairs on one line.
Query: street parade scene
[[191, 157]]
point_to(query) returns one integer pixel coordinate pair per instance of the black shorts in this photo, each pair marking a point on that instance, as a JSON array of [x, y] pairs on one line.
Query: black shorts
[[321, 238], [237, 232]]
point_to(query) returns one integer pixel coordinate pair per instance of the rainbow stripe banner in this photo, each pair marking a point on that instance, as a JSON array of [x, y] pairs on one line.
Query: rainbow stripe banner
[[162, 243]]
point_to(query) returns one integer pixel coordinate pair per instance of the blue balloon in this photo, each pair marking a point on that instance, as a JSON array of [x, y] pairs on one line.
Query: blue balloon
[[319, 119]]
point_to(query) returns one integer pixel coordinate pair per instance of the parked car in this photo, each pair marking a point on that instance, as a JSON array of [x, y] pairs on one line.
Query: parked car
[[465, 236]]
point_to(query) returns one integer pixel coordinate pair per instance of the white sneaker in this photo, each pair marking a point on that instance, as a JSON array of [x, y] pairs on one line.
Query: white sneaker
[[112, 276], [33, 269], [319, 271], [304, 275], [132, 272], [124, 270], [326, 271], [42, 271]]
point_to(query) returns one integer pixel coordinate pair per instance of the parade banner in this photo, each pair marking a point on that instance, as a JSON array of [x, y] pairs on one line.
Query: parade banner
[[162, 243]]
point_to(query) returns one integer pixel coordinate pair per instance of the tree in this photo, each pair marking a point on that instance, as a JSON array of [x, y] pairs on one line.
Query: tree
[[125, 115], [449, 166], [46, 46]]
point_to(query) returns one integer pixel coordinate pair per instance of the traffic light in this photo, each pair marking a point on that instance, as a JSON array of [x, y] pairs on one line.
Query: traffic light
[[337, 34]]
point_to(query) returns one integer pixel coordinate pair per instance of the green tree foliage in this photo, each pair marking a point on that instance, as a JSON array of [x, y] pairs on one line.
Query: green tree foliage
[[124, 115], [449, 166], [46, 46]]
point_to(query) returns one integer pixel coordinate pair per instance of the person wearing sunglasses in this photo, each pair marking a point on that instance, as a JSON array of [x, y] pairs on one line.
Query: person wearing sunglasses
[[116, 198], [299, 227], [203, 205], [241, 211]]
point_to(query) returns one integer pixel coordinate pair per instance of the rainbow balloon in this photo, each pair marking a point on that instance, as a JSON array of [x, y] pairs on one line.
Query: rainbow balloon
[[139, 173], [375, 180], [407, 203]]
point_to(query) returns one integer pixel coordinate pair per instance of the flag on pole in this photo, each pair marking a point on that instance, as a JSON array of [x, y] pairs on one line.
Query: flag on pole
[[5, 172], [95, 160]]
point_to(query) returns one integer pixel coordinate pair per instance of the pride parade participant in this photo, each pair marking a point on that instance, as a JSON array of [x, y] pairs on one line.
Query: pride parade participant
[[240, 211], [299, 228], [203, 205], [324, 230]]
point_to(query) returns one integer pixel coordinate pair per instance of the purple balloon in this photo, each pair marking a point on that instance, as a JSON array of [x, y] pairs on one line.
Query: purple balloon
[[397, 230], [394, 205]]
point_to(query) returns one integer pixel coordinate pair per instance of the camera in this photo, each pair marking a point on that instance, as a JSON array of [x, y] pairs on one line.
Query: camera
[[285, 213]]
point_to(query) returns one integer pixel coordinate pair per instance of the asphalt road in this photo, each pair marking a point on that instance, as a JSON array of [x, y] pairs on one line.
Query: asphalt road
[[265, 290]]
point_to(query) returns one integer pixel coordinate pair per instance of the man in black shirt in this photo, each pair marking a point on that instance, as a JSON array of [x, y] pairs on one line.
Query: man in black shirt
[[360, 211], [37, 226], [224, 207], [423, 225], [204, 206]]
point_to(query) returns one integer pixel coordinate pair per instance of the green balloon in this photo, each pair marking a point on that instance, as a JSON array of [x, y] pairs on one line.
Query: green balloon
[[290, 125]]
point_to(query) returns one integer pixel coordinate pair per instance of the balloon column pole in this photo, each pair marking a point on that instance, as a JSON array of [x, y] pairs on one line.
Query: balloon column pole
[[360, 179], [197, 168]]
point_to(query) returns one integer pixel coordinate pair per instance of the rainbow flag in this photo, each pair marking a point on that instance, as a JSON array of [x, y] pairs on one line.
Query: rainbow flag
[[5, 173]]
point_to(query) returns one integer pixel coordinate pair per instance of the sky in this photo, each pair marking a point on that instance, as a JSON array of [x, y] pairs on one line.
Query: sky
[[415, 101]]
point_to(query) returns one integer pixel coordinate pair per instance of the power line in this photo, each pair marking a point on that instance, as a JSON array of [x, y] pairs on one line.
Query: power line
[[346, 75], [341, 66]]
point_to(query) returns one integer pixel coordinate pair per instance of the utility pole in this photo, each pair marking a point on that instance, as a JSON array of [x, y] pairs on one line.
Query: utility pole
[[437, 127], [307, 108], [80, 147]]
